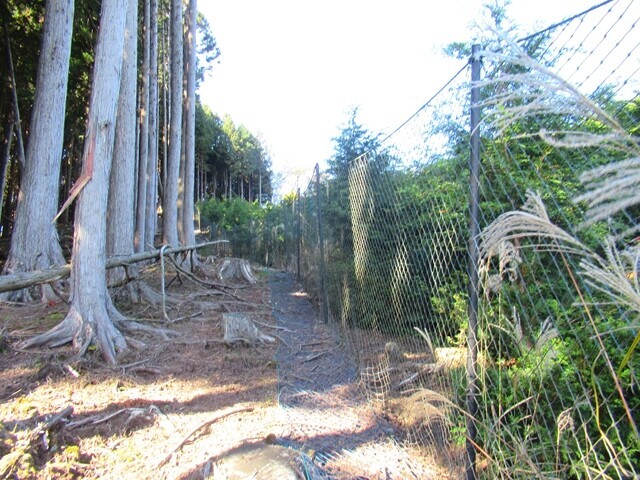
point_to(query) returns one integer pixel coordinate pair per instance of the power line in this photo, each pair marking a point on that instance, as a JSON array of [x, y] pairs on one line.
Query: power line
[[426, 104], [563, 22]]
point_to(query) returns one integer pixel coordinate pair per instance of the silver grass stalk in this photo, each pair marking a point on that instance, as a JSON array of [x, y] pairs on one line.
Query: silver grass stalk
[[540, 89], [607, 275], [530, 222], [610, 188]]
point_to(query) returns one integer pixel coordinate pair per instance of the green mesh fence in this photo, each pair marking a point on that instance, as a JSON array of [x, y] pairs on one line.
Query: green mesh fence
[[384, 247]]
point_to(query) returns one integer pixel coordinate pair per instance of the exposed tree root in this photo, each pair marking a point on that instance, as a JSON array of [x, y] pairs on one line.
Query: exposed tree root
[[216, 418], [35, 293], [35, 439], [137, 291], [101, 325], [131, 326]]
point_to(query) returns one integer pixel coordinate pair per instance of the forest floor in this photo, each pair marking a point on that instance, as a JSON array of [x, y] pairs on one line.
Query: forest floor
[[180, 408]]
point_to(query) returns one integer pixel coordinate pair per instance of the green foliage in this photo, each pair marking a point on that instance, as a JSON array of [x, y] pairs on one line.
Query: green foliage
[[569, 397], [384, 226], [230, 214], [235, 159], [207, 48], [262, 233]]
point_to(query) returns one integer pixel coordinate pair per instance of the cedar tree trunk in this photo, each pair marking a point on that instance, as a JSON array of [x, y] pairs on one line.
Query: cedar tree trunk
[[34, 242]]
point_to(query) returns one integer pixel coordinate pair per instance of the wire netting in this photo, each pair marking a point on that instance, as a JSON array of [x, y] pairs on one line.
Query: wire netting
[[557, 331], [383, 247]]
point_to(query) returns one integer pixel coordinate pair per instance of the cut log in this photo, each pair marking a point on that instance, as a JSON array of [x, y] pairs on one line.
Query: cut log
[[236, 269], [238, 328], [28, 279]]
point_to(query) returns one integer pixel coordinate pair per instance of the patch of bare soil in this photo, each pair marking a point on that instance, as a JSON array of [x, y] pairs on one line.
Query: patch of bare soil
[[175, 408]]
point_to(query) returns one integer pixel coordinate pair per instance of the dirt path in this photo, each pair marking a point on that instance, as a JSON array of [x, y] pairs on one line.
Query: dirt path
[[316, 377], [313, 359], [322, 403]]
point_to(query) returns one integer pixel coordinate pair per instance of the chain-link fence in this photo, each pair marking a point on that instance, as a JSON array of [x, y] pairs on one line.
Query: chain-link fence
[[492, 305]]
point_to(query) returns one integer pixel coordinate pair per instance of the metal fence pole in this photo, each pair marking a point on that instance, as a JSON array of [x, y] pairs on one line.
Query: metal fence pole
[[474, 230], [298, 234], [323, 289]]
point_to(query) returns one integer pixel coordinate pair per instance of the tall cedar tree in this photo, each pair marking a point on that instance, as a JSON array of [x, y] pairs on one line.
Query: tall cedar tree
[[120, 214], [34, 242], [186, 212], [92, 314], [170, 199], [152, 162]]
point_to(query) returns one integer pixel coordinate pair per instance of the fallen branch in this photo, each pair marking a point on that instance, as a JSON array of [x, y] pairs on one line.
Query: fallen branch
[[282, 340], [72, 371], [186, 317], [312, 344], [427, 369], [201, 282], [318, 355], [21, 280], [204, 342], [129, 365], [200, 427], [96, 419], [133, 413], [275, 327]]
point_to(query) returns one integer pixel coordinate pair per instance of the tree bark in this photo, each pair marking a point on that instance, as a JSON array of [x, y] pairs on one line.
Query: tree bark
[[143, 177], [152, 162], [9, 208], [34, 242], [170, 199], [189, 133], [165, 107], [120, 211], [91, 315]]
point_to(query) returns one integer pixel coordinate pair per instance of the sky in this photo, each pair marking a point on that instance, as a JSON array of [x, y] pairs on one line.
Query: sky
[[292, 70]]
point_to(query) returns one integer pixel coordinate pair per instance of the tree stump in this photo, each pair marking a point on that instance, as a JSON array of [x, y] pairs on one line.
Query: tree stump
[[238, 328], [236, 270]]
